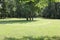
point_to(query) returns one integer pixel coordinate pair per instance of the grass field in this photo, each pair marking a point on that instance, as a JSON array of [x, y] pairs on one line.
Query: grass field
[[18, 27]]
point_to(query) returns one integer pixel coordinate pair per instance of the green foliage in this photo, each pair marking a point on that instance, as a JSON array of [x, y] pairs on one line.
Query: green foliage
[[27, 8]]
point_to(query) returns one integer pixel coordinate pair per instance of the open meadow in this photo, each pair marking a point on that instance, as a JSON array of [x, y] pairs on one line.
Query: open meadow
[[19, 27]]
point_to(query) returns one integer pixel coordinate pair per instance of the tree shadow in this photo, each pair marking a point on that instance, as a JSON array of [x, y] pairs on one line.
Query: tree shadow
[[32, 38], [15, 21], [51, 18]]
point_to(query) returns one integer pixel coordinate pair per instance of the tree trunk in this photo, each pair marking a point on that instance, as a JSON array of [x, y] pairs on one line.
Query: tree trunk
[[27, 19], [30, 17]]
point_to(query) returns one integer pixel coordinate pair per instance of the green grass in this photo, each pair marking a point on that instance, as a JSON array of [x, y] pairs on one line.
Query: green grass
[[18, 27]]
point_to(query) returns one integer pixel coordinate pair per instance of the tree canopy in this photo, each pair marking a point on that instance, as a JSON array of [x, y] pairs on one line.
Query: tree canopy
[[28, 8]]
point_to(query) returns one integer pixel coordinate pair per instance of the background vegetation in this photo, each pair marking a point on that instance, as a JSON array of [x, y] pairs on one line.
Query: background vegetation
[[29, 9]]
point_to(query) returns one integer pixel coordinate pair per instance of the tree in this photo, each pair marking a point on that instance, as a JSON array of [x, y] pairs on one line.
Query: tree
[[31, 9], [26, 8], [3, 11]]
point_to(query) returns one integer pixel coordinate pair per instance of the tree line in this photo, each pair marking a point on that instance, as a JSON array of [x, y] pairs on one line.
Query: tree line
[[29, 9]]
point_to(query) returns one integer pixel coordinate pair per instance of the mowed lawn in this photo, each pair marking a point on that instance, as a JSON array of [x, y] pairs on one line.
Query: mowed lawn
[[19, 27]]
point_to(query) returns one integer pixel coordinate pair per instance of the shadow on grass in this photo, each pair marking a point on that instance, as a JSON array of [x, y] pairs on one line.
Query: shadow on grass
[[32, 38], [51, 18], [15, 21]]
